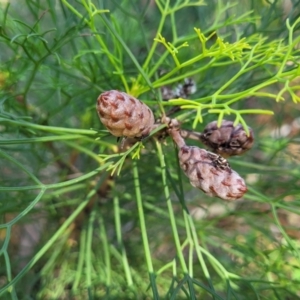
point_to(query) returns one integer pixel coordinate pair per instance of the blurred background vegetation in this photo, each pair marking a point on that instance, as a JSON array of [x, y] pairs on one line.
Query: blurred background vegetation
[[70, 230]]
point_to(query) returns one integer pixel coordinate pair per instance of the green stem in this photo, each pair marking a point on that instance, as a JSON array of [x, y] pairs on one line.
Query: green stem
[[23, 124], [170, 208], [22, 167], [80, 263], [60, 184], [284, 234], [117, 217], [25, 211], [146, 245], [106, 253], [52, 240], [154, 45], [88, 254], [198, 249]]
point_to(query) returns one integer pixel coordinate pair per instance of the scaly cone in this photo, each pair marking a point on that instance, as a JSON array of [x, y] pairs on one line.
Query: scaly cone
[[208, 171], [124, 115], [227, 140]]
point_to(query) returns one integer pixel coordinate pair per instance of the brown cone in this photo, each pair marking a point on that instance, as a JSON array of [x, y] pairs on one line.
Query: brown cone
[[208, 171], [211, 173], [124, 115], [227, 140]]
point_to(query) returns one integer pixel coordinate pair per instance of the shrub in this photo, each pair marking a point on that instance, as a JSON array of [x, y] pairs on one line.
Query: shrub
[[83, 217]]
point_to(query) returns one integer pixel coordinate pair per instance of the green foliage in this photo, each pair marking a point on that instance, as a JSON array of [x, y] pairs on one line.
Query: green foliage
[[78, 218]]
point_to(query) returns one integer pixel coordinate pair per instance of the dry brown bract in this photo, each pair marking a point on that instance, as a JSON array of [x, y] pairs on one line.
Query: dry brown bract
[[124, 115]]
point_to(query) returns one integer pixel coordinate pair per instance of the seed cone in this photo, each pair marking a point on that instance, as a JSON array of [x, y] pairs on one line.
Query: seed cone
[[211, 174], [227, 140], [124, 115], [208, 171]]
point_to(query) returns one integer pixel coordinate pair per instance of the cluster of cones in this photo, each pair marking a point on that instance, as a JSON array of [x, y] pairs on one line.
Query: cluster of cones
[[126, 116]]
